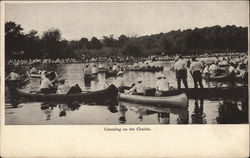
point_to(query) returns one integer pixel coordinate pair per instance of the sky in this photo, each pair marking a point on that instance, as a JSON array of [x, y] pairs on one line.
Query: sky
[[88, 19]]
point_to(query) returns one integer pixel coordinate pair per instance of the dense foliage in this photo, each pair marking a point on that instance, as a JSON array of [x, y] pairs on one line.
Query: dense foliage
[[197, 41]]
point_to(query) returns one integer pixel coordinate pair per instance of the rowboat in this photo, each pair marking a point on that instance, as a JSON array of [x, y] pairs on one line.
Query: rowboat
[[110, 73], [180, 100], [35, 75], [95, 97]]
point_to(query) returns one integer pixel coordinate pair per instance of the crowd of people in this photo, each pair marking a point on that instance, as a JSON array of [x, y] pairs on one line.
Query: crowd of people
[[234, 66]]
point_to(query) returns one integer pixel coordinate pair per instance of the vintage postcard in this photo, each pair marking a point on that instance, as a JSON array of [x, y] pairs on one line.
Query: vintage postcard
[[150, 79]]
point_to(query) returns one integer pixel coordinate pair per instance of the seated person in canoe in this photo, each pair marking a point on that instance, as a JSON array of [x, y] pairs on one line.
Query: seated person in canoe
[[162, 85], [114, 68], [232, 70], [138, 88], [87, 70], [46, 86], [33, 70], [63, 88], [13, 77], [94, 70]]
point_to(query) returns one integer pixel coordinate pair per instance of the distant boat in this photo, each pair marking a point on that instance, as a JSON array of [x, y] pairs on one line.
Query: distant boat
[[111, 73]]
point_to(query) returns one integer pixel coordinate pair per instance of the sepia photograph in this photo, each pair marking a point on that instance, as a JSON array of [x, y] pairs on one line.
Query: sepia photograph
[[125, 63]]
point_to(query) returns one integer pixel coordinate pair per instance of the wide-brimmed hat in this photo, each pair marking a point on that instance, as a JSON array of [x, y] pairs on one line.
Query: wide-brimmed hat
[[159, 75], [61, 79], [120, 73], [139, 79]]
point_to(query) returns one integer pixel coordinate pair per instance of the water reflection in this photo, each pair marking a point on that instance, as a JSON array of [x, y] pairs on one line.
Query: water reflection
[[198, 111], [198, 116], [233, 112], [47, 108]]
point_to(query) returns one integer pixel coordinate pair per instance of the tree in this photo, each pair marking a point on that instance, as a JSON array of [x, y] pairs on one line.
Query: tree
[[14, 40], [51, 43], [132, 49], [95, 43], [109, 41]]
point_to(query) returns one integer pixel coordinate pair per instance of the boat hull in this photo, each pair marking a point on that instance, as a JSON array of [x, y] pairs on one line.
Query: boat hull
[[96, 97], [207, 93], [180, 100]]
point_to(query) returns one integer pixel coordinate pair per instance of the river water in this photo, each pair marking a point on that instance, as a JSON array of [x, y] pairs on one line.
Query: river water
[[197, 112]]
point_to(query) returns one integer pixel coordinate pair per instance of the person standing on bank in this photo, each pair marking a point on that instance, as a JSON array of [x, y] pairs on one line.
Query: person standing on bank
[[181, 72], [195, 70]]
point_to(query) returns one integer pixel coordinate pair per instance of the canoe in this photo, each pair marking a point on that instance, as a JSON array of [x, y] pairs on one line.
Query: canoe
[[110, 74], [89, 77], [101, 70], [148, 69], [207, 93], [222, 78], [180, 100], [35, 75], [96, 97]]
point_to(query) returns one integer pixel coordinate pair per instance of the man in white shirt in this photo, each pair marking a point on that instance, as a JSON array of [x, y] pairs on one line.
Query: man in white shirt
[[33, 70], [138, 88], [13, 77], [195, 70], [162, 85], [87, 70], [46, 85], [114, 68], [181, 72], [94, 70]]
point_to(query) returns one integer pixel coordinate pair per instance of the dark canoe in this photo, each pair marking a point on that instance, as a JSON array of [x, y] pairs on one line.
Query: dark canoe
[[148, 69], [207, 93], [222, 78], [96, 97], [110, 74], [227, 78]]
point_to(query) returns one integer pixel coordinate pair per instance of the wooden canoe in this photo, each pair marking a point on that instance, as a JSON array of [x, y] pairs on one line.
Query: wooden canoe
[[180, 100], [97, 97], [234, 92], [148, 69]]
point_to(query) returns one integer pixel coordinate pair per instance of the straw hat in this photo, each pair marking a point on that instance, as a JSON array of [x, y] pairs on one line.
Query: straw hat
[[139, 79], [120, 73]]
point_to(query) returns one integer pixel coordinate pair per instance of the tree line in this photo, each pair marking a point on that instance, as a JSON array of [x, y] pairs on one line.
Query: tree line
[[20, 45]]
